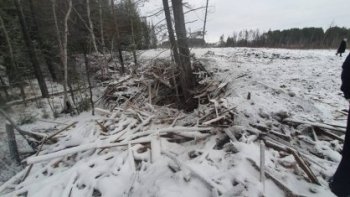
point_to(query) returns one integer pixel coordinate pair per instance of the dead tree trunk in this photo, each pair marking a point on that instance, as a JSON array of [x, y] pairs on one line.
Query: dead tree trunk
[[173, 44], [91, 26], [186, 78], [119, 48], [45, 50], [171, 32], [31, 51], [205, 19]]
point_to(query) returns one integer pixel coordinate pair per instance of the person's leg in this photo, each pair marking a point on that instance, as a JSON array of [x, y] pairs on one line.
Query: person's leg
[[340, 183]]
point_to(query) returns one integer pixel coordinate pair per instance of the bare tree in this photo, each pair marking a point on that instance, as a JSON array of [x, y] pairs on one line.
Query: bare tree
[[87, 68], [186, 78], [133, 43], [101, 25], [43, 47], [65, 56], [205, 19], [116, 29], [63, 50], [91, 26], [12, 60], [172, 40], [31, 51]]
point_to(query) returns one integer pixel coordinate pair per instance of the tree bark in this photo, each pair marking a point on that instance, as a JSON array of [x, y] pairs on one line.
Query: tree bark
[[173, 44], [91, 26], [11, 55], [101, 25], [10, 131], [31, 51], [89, 82], [186, 78], [171, 33], [7, 96], [45, 50], [65, 56], [120, 53], [133, 48]]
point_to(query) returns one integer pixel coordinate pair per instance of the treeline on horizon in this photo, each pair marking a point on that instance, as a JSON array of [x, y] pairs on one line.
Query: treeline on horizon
[[305, 38]]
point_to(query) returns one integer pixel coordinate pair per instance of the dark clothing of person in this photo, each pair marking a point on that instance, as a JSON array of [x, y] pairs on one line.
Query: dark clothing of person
[[340, 183], [345, 77], [341, 48]]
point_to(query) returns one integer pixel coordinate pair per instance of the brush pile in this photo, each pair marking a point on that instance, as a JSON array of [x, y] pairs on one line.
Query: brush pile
[[128, 143]]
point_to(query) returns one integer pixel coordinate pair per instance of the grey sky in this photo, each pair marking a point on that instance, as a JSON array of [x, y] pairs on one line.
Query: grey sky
[[227, 16]]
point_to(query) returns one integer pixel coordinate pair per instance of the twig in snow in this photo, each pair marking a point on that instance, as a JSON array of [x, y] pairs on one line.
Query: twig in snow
[[279, 183]]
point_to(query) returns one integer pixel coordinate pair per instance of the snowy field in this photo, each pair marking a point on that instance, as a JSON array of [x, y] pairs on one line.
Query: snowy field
[[302, 84]]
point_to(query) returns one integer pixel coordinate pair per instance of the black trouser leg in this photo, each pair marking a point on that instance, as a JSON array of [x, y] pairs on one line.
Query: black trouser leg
[[340, 184]]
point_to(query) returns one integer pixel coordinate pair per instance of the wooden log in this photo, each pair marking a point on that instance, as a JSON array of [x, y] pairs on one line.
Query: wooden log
[[262, 163], [314, 134], [194, 172], [168, 130], [37, 136], [329, 134], [324, 126], [60, 131], [12, 143], [213, 120], [280, 184], [230, 135], [12, 180], [102, 111], [31, 165], [162, 81], [304, 166], [155, 149], [131, 159], [297, 157], [85, 147]]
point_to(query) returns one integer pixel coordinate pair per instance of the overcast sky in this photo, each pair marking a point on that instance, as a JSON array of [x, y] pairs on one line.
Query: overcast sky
[[227, 16]]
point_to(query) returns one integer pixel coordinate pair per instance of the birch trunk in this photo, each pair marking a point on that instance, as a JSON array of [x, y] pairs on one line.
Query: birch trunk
[[91, 26], [65, 56]]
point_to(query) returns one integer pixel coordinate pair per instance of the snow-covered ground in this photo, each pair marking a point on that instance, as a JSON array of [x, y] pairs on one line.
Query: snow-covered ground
[[301, 83]]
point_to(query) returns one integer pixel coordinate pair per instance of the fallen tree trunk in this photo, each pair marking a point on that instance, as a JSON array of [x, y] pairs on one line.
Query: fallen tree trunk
[[324, 126], [37, 136]]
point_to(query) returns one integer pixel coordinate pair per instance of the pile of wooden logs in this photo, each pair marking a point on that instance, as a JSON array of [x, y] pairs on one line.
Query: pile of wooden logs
[[158, 84]]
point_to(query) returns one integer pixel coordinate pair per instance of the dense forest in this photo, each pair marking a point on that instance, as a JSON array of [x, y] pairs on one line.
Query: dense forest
[[312, 38], [39, 39]]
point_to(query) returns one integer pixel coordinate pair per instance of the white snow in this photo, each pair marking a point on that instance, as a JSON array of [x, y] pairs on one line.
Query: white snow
[[302, 83]]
